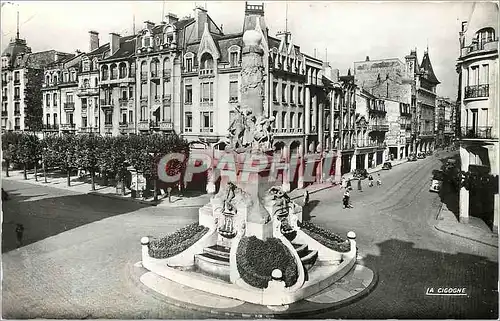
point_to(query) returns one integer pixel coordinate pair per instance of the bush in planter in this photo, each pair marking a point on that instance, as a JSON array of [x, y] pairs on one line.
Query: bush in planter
[[326, 237], [257, 259], [177, 242]]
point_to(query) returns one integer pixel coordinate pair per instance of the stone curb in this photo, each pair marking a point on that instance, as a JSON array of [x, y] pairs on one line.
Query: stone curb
[[136, 270], [444, 230]]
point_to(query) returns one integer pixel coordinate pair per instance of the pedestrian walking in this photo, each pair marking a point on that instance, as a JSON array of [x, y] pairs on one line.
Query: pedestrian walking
[[346, 199], [370, 181], [19, 234], [348, 184], [360, 188], [343, 183], [379, 180]]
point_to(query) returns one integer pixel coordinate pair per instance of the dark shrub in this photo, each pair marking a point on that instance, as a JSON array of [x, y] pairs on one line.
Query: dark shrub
[[177, 242], [257, 259], [326, 237]]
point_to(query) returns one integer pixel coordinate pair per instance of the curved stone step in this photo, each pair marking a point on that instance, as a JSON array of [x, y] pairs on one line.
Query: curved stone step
[[218, 251], [301, 249], [212, 265], [310, 258]]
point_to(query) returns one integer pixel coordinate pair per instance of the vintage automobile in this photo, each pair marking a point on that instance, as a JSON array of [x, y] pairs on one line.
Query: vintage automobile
[[360, 173], [412, 157], [437, 181], [421, 155], [387, 166]]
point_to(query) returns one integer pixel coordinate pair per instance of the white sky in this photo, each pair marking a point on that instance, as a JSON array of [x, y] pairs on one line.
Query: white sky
[[349, 30]]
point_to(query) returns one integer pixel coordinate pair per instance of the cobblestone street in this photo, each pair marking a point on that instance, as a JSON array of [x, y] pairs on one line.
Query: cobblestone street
[[80, 249]]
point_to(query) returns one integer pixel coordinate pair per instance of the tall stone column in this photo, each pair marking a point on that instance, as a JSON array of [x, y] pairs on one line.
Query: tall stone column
[[286, 172], [464, 194], [315, 112], [366, 160], [308, 113], [353, 163], [338, 167], [374, 159], [320, 125], [300, 182]]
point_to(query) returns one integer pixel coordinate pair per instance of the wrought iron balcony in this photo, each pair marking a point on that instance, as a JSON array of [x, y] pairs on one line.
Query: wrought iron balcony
[[69, 106], [108, 125], [477, 91], [49, 127], [379, 127], [206, 72], [481, 132], [143, 125], [107, 103], [123, 102], [166, 125], [377, 111], [490, 44], [67, 126]]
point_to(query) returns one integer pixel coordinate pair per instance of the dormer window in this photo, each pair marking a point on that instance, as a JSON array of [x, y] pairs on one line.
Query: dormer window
[[188, 62], [207, 62], [234, 56], [168, 35], [86, 65], [146, 39]]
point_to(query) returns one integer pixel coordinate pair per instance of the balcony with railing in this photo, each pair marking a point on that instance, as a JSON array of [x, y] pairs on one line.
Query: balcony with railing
[[479, 47], [363, 143], [167, 100], [49, 127], [143, 125], [377, 111], [68, 83], [479, 132], [107, 103], [206, 73], [17, 81], [108, 125], [123, 102], [378, 128], [69, 106], [166, 125], [17, 97], [88, 91], [426, 133], [68, 126], [477, 91], [17, 112], [17, 127]]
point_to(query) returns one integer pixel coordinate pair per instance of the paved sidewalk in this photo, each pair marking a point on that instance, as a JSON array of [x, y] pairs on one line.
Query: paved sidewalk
[[476, 230]]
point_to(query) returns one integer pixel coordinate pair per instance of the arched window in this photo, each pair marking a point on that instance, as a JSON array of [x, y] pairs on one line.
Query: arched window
[[104, 73], [207, 61], [123, 70], [234, 56], [146, 39], [168, 36], [154, 68], [94, 64], [47, 80], [188, 62], [485, 35], [114, 71]]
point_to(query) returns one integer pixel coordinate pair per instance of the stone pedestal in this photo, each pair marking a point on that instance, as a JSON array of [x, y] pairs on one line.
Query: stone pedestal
[[464, 206]]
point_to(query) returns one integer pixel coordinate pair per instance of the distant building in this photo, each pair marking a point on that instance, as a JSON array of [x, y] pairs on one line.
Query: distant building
[[22, 78], [478, 97], [444, 124]]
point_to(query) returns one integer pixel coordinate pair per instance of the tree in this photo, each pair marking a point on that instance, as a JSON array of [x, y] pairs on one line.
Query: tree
[[10, 141], [33, 99], [67, 150], [29, 147], [88, 151], [50, 156]]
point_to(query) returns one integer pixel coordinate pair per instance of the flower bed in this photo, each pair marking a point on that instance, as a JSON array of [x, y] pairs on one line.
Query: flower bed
[[326, 237], [257, 259], [177, 242]]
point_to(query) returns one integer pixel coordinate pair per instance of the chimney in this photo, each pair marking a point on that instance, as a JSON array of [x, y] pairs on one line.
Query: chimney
[[367, 58], [201, 16], [94, 40], [114, 43], [148, 25], [171, 18]]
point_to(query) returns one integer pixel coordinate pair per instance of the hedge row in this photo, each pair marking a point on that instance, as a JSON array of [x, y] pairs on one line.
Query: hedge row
[[326, 237], [177, 242], [256, 259]]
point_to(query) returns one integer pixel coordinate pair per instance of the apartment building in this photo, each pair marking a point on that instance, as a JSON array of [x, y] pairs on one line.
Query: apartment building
[[444, 121], [22, 78], [479, 120]]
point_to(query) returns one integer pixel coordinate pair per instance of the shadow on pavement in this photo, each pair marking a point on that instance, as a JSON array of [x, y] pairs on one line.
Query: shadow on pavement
[[307, 209], [405, 272], [45, 217]]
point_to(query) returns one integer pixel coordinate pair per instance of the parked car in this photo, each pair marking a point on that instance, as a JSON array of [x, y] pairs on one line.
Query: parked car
[[360, 173], [420, 155], [387, 165], [437, 181], [412, 157]]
